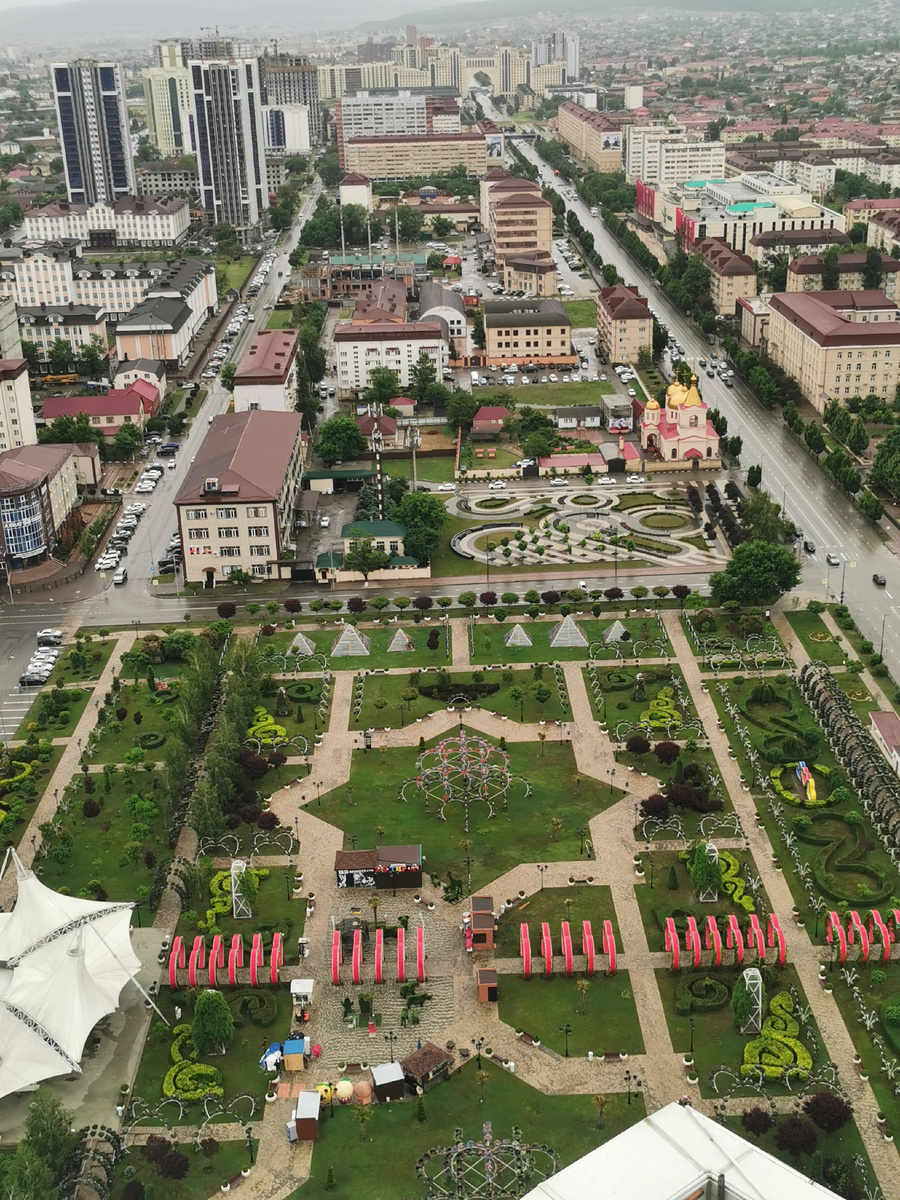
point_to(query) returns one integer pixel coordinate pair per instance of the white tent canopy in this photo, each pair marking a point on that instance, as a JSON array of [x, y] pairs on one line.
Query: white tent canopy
[[63, 964]]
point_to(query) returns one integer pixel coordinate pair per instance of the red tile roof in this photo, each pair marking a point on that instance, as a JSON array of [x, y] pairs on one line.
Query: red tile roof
[[269, 357]]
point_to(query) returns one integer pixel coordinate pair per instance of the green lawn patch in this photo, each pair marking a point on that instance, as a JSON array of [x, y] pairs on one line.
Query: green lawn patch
[[629, 500], [582, 313], [521, 833], [618, 702], [428, 470], [394, 1139], [542, 1007], [550, 395], [236, 272], [818, 641], [89, 662], [494, 502], [46, 725], [572, 904], [698, 542], [489, 644], [666, 520], [119, 735], [204, 1176], [379, 657], [280, 319], [503, 458]]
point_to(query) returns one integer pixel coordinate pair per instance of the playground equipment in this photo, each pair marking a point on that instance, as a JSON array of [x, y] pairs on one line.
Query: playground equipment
[[587, 947], [566, 938], [805, 776], [525, 949], [463, 769], [547, 949], [336, 958]]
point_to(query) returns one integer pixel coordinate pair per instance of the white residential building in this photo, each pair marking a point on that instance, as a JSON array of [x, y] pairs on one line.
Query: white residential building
[[266, 378], [361, 348], [17, 427], [667, 154], [132, 221]]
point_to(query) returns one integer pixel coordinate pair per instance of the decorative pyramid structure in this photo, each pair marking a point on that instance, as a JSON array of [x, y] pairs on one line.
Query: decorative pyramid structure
[[614, 633], [517, 637], [401, 642], [302, 645], [567, 633], [351, 644]]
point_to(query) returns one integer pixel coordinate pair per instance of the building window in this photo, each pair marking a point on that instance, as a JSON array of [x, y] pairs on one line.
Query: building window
[[198, 534], [258, 531], [226, 513], [196, 514], [230, 552], [260, 569], [229, 531], [256, 512]]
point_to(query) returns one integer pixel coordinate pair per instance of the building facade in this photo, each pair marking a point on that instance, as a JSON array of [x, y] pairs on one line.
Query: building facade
[[624, 323], [167, 101], [523, 331], [396, 345], [236, 506], [532, 271], [76, 324], [591, 136], [291, 79], [38, 491], [266, 377], [385, 114], [516, 215], [166, 179], [731, 274], [94, 130], [835, 344], [17, 427], [805, 274], [399, 156], [133, 221], [228, 138], [134, 405]]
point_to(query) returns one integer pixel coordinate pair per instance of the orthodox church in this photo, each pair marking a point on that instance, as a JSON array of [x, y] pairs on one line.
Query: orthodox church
[[680, 432]]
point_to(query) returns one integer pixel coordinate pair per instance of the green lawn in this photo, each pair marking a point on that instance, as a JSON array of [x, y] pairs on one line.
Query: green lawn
[[542, 1007], [236, 272], [97, 653], [379, 657], [572, 904], [582, 313], [617, 701], [273, 908], [118, 737], [521, 833], [503, 459], [204, 1176], [490, 648], [428, 470], [76, 700], [280, 319], [568, 1124], [627, 500], [818, 641], [549, 395]]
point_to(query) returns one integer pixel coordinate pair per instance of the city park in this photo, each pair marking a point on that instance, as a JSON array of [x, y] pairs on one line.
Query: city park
[[487, 887]]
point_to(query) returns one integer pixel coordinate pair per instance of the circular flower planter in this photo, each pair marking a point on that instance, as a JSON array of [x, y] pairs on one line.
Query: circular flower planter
[[693, 1079], [226, 1187], [270, 1097]]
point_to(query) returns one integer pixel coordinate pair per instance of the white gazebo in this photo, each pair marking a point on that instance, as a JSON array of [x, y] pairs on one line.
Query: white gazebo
[[63, 964]]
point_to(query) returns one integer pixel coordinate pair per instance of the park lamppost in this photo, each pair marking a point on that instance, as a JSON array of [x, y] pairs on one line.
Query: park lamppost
[[691, 1023], [881, 646], [249, 1133], [390, 1037], [650, 862], [582, 833], [318, 793], [287, 876], [612, 780], [629, 1079], [478, 1043], [542, 867], [566, 1031]]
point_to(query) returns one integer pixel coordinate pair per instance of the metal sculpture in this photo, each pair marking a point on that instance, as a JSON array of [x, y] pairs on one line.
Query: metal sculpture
[[488, 1168], [463, 769]]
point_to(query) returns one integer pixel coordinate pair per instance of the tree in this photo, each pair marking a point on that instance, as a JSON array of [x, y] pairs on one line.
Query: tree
[[757, 1121], [482, 1077], [638, 745], [479, 339], [340, 440], [870, 506], [175, 1165], [754, 473], [829, 1111], [48, 1128], [541, 693], [384, 386], [858, 437], [364, 556], [60, 357], [599, 1102], [32, 356], [758, 573], [831, 270], [467, 599], [813, 437], [441, 227], [872, 271], [227, 375], [423, 516], [409, 221], [28, 1177], [364, 1114], [666, 753], [762, 520], [461, 409], [796, 1136], [213, 1025], [93, 360], [226, 609], [538, 445], [517, 695]]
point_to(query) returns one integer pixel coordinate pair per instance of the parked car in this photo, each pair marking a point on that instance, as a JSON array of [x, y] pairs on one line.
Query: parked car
[[635, 479], [879, 579], [832, 560], [447, 487], [120, 577], [497, 485], [606, 479], [559, 483]]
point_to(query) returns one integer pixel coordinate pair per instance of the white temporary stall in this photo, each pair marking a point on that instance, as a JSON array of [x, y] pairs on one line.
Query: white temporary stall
[[63, 964]]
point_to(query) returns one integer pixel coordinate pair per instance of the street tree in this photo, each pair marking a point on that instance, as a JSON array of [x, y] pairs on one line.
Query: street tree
[[364, 556], [757, 573], [340, 440]]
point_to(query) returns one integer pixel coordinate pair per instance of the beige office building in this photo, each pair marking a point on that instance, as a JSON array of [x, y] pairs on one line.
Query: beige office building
[[591, 136], [731, 274], [400, 156], [523, 331], [518, 218], [835, 344], [624, 323], [805, 274]]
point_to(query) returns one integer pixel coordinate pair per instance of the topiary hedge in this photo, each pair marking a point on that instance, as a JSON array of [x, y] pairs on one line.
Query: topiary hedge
[[22, 769], [187, 1079], [836, 856], [732, 884], [700, 993], [150, 741], [447, 691], [799, 801], [777, 1050], [303, 692], [253, 1004]]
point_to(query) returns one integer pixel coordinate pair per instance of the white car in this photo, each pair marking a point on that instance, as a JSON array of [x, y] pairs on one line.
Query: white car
[[544, 379], [606, 479], [136, 508], [559, 483], [496, 485], [632, 393], [447, 487], [603, 378], [523, 379], [553, 379], [143, 488], [636, 479], [525, 462]]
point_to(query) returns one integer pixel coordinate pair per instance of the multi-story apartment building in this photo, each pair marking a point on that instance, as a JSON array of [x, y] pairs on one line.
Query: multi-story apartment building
[[624, 323], [531, 271], [383, 114], [794, 241], [76, 324], [290, 79], [396, 345], [731, 274], [591, 136], [167, 101], [94, 130], [266, 377], [860, 212], [236, 506], [38, 491], [228, 138], [17, 427], [835, 344], [515, 213], [166, 179], [883, 230], [286, 130], [667, 154], [523, 331], [399, 156], [559, 46], [132, 221], [805, 274]]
